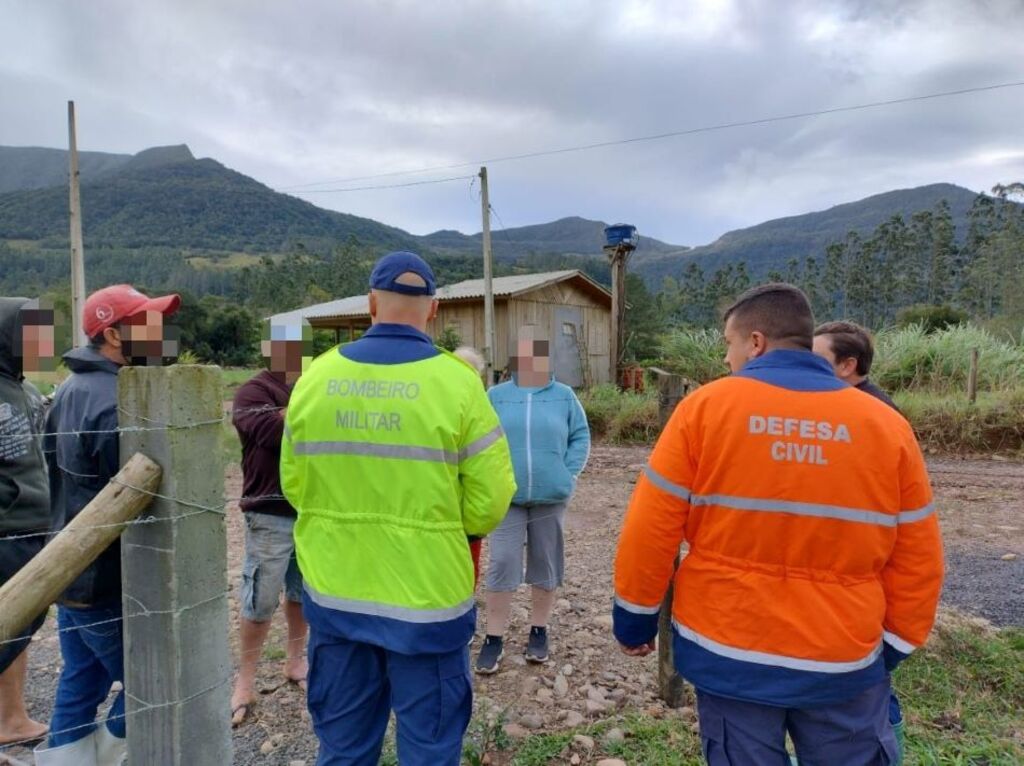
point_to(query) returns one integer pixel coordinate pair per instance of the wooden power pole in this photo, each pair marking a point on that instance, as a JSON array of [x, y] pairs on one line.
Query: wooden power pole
[[617, 341], [490, 348], [75, 217]]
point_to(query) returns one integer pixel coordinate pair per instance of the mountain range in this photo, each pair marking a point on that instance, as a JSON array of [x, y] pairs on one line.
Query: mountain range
[[165, 197]]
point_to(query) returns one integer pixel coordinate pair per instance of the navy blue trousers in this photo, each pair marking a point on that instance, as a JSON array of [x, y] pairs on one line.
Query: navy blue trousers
[[354, 686], [853, 733]]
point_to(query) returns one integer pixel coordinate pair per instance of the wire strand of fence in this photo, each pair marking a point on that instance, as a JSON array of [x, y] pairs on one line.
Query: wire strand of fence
[[146, 707]]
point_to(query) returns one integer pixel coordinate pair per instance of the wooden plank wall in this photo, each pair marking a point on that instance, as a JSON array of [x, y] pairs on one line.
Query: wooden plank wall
[[538, 308], [533, 308]]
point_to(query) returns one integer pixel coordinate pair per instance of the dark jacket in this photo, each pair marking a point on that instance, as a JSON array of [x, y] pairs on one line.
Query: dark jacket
[[82, 459], [259, 419], [24, 494], [872, 390]]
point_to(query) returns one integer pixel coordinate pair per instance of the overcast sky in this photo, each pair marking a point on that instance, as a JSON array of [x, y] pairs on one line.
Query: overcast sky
[[300, 92]]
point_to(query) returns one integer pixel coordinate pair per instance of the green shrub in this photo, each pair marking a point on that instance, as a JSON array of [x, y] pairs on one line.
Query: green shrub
[[931, 318], [621, 416], [449, 339], [911, 359], [697, 354]]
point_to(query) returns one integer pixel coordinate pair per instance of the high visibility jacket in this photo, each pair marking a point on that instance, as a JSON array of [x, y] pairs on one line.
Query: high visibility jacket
[[392, 455], [815, 560]]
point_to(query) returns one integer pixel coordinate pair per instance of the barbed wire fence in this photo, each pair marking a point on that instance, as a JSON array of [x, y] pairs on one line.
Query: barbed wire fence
[[179, 433]]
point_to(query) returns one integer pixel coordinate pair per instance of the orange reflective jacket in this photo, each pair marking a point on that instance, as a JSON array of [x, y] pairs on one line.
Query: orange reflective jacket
[[815, 559]]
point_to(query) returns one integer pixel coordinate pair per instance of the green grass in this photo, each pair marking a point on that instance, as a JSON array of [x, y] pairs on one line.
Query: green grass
[[911, 360], [236, 376], [621, 417], [949, 423], [962, 697]]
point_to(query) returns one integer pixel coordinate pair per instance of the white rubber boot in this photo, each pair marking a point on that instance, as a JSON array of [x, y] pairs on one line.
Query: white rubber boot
[[81, 752], [110, 749]]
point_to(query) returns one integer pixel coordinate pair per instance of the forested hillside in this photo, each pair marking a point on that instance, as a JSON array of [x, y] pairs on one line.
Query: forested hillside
[[167, 221], [770, 245], [35, 167]]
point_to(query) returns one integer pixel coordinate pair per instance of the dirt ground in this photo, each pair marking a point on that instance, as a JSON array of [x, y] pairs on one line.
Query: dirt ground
[[981, 508]]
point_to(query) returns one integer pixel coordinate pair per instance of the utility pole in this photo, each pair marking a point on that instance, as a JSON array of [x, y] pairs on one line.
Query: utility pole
[[620, 242], [489, 343], [618, 263], [77, 253]]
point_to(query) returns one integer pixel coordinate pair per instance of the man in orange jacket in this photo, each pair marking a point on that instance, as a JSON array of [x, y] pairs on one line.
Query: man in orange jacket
[[815, 560]]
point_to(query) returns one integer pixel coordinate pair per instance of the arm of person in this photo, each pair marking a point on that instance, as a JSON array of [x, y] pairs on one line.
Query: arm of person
[[578, 451], [912, 577], [290, 471], [485, 467], [103, 446], [651, 535], [256, 417]]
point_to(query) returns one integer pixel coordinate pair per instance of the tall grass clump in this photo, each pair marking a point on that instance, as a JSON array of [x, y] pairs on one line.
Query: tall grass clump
[[696, 354], [621, 416], [911, 359]]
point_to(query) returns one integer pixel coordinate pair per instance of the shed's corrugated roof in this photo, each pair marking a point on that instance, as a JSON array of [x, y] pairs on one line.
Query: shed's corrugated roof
[[503, 287]]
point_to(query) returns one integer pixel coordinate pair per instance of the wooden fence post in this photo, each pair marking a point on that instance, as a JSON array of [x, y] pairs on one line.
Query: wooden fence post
[[174, 571], [972, 378], [38, 584], [671, 390]]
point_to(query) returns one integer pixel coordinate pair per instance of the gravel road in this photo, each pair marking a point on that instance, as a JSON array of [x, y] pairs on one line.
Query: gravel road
[[981, 507]]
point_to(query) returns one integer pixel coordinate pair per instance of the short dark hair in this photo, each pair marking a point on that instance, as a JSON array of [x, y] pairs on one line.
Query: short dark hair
[[779, 310], [850, 341], [98, 341]]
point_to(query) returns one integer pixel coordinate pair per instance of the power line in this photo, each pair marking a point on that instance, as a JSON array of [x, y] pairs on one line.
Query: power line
[[388, 186], [654, 137]]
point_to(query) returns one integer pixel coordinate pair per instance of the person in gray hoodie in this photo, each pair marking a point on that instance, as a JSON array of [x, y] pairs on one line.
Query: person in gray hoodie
[[24, 496]]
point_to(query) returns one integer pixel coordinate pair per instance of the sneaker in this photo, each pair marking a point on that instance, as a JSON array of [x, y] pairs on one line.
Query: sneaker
[[537, 648], [490, 655]]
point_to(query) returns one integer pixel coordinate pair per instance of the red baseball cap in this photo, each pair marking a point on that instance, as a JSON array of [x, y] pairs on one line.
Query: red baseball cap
[[110, 305]]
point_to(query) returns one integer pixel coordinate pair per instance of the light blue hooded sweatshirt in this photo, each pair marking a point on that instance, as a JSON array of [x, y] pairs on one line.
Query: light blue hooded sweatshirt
[[548, 436]]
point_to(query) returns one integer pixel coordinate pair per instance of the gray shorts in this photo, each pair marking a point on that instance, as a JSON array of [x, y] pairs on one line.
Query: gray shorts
[[269, 566], [540, 529]]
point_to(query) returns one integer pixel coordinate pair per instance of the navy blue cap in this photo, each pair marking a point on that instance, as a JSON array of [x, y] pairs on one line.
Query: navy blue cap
[[388, 269]]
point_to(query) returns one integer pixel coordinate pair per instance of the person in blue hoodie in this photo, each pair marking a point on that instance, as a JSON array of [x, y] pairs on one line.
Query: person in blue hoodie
[[549, 439]]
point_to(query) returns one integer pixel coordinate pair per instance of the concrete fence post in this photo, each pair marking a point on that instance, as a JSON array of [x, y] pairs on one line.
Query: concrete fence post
[[671, 390], [174, 572]]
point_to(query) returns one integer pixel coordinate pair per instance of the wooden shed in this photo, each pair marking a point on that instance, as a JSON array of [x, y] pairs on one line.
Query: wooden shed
[[573, 309]]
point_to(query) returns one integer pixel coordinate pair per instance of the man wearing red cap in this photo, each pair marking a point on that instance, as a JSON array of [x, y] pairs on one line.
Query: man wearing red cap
[[124, 327]]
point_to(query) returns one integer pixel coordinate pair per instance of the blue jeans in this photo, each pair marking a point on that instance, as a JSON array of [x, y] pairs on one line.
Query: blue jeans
[[92, 646], [354, 686]]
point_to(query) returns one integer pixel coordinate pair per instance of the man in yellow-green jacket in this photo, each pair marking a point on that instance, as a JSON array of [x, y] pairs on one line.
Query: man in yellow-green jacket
[[392, 455]]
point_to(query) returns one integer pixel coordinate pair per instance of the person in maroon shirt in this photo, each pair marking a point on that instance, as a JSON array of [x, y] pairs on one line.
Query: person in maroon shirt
[[270, 565]]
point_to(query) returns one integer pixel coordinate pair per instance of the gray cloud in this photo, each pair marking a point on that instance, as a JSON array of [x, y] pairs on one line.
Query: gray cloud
[[300, 92]]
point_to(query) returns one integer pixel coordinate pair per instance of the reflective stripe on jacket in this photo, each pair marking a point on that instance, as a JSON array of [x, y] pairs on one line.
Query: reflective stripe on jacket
[[815, 560], [390, 464]]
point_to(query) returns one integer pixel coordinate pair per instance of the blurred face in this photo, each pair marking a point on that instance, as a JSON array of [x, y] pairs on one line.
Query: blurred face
[[287, 350], [38, 347], [145, 339], [741, 344], [532, 360]]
